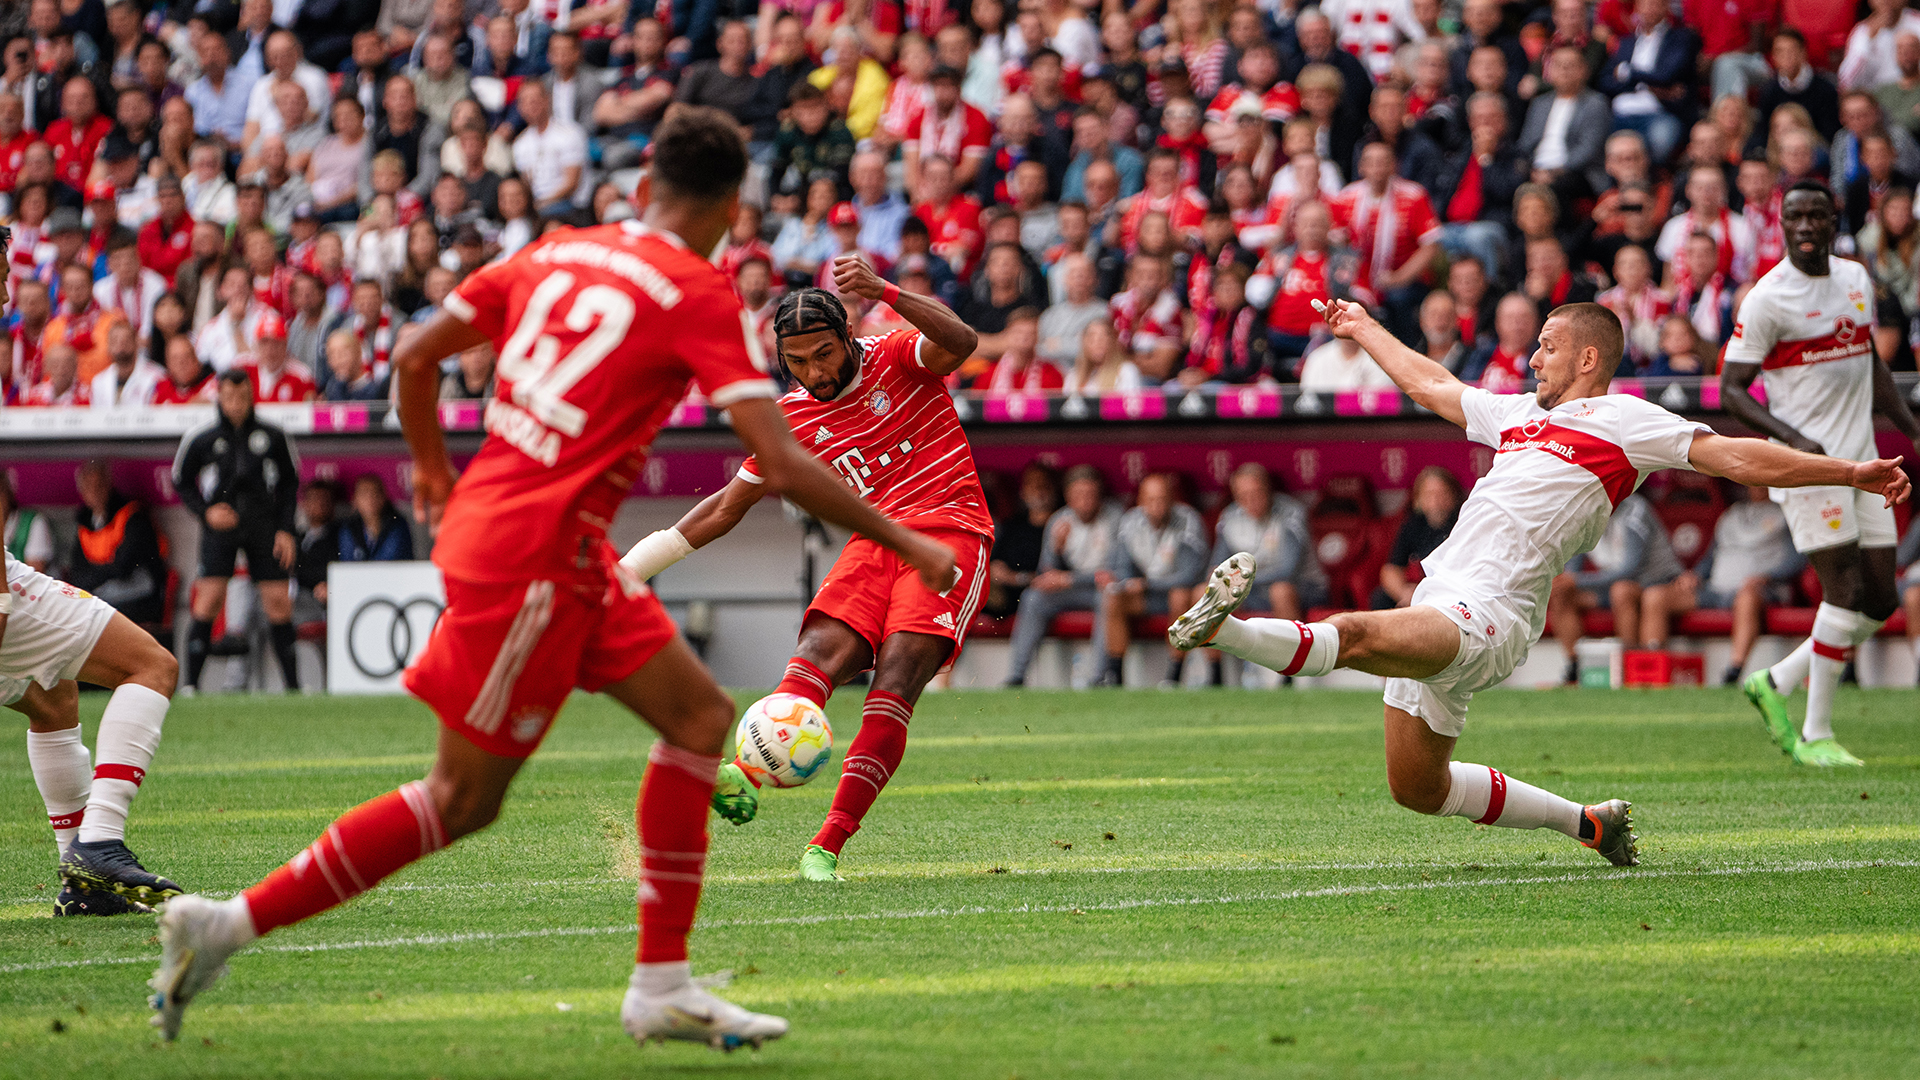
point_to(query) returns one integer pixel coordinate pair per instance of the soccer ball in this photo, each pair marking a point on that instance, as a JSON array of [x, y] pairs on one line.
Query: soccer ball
[[783, 739]]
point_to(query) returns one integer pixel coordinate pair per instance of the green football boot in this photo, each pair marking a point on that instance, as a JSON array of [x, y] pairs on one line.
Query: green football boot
[[1773, 709], [733, 795], [819, 864], [1826, 753]]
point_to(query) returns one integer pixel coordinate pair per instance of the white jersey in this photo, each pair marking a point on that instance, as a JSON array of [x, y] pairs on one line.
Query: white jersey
[[1813, 340], [1557, 476]]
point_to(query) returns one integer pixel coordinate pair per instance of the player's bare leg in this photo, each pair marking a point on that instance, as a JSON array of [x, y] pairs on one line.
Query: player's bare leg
[[1416, 642], [907, 662], [675, 693], [142, 674], [1858, 594]]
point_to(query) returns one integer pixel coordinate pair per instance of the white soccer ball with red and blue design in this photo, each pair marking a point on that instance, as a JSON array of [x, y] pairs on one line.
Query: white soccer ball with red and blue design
[[783, 740]]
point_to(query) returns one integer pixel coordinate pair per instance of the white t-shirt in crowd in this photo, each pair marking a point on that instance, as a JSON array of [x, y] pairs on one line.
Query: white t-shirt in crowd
[[1341, 365], [543, 157]]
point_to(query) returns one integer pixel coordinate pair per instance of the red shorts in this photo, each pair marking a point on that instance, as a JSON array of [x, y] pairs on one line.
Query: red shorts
[[876, 593], [504, 657]]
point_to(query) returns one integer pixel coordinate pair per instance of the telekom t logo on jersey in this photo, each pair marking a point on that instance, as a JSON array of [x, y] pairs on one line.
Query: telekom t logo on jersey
[[856, 470]]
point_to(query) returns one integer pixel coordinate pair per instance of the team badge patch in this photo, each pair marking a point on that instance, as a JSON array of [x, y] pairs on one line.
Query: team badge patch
[[880, 403]]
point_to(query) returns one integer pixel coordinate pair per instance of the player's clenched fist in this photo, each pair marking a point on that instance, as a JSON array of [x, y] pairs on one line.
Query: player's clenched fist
[[851, 274], [934, 561]]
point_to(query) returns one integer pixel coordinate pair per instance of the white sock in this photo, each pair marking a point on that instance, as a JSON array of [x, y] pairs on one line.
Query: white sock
[[129, 734], [62, 772], [1864, 628], [237, 919], [654, 980], [1276, 644], [1833, 630], [1486, 796], [1791, 671]]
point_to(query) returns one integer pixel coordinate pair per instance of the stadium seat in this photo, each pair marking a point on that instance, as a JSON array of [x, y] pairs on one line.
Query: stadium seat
[[1689, 507], [1340, 525]]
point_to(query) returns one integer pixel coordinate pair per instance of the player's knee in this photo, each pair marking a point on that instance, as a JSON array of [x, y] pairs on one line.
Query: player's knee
[[464, 807], [1355, 643], [1418, 792]]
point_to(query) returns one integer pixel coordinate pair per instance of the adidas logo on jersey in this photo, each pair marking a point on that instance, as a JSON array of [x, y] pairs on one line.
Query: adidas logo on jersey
[[944, 619], [821, 436]]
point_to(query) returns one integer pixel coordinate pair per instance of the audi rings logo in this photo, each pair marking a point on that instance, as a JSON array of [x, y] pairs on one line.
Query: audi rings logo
[[382, 632]]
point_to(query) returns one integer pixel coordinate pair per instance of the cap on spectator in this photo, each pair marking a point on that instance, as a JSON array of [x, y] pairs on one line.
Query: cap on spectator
[[236, 375], [65, 220], [843, 214], [272, 327], [100, 191], [944, 73], [118, 148]]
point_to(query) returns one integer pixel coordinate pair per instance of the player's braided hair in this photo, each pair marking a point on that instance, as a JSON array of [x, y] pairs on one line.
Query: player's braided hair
[[805, 311]]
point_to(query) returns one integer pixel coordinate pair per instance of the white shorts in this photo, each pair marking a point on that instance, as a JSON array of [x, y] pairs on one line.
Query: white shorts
[[1824, 517], [1493, 642], [50, 632]]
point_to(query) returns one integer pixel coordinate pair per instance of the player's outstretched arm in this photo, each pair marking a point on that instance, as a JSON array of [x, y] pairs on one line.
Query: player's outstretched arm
[[1736, 395], [713, 518], [416, 365], [791, 471], [948, 341], [1759, 462], [1427, 383]]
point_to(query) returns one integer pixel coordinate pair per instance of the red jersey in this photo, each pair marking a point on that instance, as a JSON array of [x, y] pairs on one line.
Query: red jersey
[[162, 250], [12, 152], [293, 384], [956, 231], [200, 393], [599, 331], [1385, 230], [1185, 209], [74, 147], [1301, 278], [894, 438], [966, 132], [1279, 104]]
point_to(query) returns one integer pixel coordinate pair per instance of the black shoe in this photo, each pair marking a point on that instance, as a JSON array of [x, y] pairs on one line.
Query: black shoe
[[1571, 677], [107, 866], [1731, 677], [231, 645], [74, 900]]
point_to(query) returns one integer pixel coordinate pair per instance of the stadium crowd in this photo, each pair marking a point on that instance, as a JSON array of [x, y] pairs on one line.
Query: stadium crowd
[[1116, 196]]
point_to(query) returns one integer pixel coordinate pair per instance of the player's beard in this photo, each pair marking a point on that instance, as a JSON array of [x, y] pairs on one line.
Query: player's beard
[[848, 369]]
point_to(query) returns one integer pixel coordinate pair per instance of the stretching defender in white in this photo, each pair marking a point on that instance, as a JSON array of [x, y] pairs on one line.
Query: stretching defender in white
[[1806, 330], [52, 633], [1565, 457]]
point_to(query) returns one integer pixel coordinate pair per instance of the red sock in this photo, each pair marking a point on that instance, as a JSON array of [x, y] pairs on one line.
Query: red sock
[[807, 680], [673, 848], [869, 764], [366, 844]]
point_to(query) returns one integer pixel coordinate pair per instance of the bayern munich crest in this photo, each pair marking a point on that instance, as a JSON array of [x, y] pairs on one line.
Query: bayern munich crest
[[880, 403]]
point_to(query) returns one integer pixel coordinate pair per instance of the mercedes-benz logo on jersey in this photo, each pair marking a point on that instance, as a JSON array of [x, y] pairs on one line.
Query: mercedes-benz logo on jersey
[[380, 633], [1532, 428], [1844, 329]]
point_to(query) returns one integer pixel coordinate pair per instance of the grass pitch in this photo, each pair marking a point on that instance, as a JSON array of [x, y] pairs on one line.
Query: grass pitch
[[1055, 885]]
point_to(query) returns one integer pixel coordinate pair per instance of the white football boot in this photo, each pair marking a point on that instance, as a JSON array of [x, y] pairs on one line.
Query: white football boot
[[196, 937], [694, 1015]]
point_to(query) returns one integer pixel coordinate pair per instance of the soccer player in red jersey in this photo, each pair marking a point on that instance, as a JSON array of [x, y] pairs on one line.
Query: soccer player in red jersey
[[877, 411], [599, 331]]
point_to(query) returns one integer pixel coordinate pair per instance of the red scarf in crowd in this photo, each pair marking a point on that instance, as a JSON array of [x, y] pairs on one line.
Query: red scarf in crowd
[[80, 326]]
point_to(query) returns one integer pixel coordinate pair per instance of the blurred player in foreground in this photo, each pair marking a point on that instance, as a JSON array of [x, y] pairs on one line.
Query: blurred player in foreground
[[1806, 330], [877, 410], [1565, 457], [599, 332]]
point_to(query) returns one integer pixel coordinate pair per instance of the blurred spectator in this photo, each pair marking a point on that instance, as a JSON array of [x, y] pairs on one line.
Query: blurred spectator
[[61, 383], [1566, 130], [1641, 306], [1703, 292], [1433, 507], [472, 379], [1870, 60], [82, 323], [375, 532], [1017, 539], [1272, 527], [1093, 142], [129, 380], [1907, 557], [952, 218], [1501, 363], [1550, 280], [1062, 324], [1477, 183], [120, 557], [1859, 118], [1752, 557], [1157, 567], [341, 164], [129, 288], [32, 310], [219, 97], [319, 546], [1148, 320], [349, 378], [1440, 332], [276, 377], [1101, 366], [1081, 540], [1341, 365], [550, 153], [306, 330], [1018, 369], [806, 242], [1633, 555], [1230, 339], [1899, 96], [1393, 230], [24, 531], [1019, 138], [1650, 77], [1289, 281], [189, 381], [1681, 350], [1314, 35], [229, 335], [811, 140]]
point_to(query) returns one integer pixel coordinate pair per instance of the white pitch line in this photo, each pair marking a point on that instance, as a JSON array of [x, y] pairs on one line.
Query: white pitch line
[[1620, 875]]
